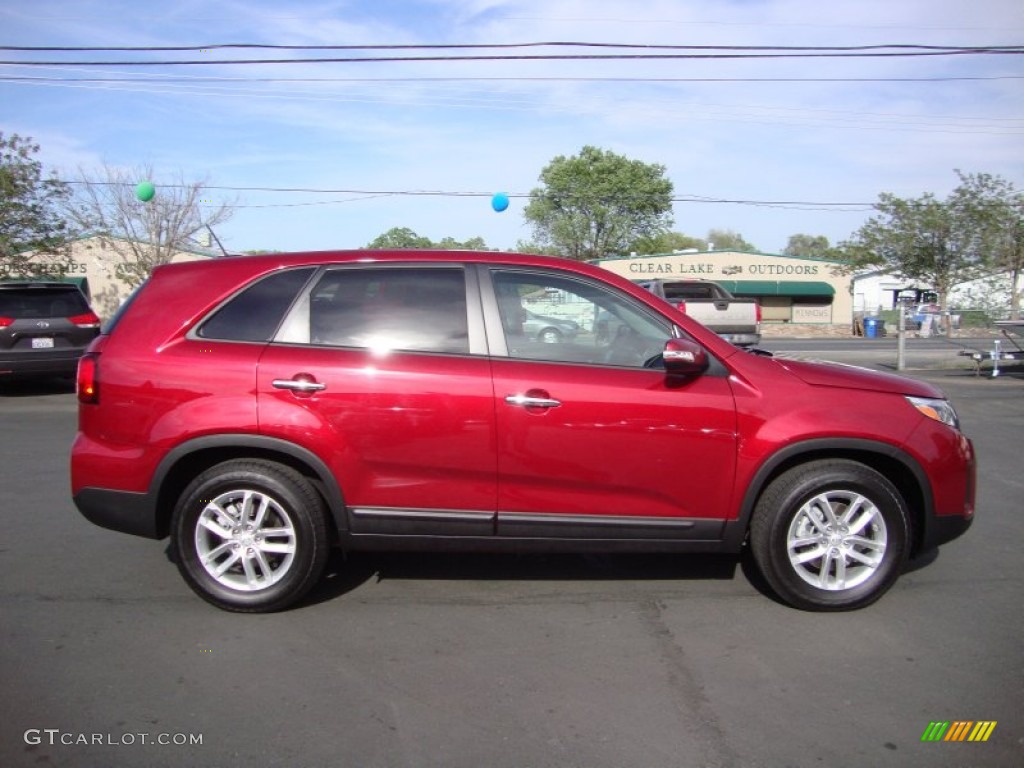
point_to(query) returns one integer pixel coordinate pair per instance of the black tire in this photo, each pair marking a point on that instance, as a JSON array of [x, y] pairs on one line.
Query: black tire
[[262, 531], [812, 555], [549, 335]]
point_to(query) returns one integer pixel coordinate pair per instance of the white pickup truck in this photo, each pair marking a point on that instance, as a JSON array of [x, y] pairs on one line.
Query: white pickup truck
[[735, 320]]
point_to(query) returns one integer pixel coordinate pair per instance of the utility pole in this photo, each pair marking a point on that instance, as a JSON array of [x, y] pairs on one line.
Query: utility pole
[[901, 333]]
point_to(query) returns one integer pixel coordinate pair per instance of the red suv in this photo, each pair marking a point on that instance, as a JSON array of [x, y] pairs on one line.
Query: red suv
[[260, 410]]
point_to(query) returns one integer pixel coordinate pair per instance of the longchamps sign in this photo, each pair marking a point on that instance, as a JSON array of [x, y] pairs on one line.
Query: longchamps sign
[[33, 269]]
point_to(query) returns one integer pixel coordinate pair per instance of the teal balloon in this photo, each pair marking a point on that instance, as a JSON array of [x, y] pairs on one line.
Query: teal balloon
[[499, 202], [145, 190]]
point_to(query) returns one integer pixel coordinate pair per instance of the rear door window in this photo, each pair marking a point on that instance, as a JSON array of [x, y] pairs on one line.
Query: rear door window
[[689, 291], [42, 302], [416, 309]]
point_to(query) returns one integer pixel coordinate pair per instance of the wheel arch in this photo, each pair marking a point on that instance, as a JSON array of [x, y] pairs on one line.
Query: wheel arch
[[895, 464], [186, 461]]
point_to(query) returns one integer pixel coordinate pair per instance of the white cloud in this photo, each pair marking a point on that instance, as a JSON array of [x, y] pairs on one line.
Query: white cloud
[[755, 141]]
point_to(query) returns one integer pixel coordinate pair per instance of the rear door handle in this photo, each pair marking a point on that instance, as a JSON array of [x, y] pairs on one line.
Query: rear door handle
[[532, 400], [299, 384]]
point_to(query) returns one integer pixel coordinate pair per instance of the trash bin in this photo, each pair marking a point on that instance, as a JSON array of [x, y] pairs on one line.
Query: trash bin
[[871, 327]]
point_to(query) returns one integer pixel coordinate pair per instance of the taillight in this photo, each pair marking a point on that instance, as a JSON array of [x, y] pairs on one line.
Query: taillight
[[681, 306], [5, 321], [88, 320], [89, 378], [758, 313]]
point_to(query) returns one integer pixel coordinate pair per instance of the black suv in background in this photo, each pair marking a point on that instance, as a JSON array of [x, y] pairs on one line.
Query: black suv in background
[[44, 328]]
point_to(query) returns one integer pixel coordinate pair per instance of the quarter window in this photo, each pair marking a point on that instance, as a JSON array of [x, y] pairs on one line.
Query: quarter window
[[255, 313]]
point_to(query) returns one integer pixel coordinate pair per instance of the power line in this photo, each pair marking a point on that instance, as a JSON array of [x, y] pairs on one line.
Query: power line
[[678, 52], [367, 194], [550, 57], [156, 79], [508, 46], [745, 113], [314, 18]]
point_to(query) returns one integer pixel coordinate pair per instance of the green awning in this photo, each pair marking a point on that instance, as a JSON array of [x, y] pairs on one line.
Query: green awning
[[778, 287]]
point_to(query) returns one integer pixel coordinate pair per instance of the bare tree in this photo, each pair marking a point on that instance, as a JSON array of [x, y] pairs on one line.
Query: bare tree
[[144, 234]]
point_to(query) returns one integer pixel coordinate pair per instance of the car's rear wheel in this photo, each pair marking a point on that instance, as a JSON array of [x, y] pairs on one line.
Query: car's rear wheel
[[250, 536], [549, 336], [830, 535]]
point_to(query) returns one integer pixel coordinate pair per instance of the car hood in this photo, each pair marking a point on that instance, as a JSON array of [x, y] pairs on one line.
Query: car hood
[[824, 373]]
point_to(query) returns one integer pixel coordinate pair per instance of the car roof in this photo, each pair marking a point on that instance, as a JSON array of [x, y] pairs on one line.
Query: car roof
[[247, 267], [366, 255], [39, 284]]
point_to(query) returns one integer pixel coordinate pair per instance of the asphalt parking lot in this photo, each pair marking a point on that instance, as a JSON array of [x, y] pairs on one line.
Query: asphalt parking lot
[[449, 660]]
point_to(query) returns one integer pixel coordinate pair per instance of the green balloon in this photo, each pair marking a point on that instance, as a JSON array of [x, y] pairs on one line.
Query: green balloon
[[145, 191]]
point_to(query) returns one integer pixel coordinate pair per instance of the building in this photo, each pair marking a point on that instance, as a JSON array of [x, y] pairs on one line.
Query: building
[[876, 290], [97, 265], [790, 289], [881, 289]]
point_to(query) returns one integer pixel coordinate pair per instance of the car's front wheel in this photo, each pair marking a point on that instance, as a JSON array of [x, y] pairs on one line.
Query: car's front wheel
[[250, 536], [830, 535]]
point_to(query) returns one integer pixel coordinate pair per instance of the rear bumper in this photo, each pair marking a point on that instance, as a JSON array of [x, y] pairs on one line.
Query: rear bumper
[[742, 339], [121, 511], [61, 363]]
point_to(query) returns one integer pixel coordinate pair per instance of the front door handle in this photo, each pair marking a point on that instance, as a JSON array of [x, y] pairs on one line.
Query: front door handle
[[301, 383], [533, 399]]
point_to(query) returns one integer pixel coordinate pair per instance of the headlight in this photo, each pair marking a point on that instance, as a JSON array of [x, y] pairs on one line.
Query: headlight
[[940, 410]]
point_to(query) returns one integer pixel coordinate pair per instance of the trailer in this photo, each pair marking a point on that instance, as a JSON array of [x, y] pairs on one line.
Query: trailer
[[1013, 330]]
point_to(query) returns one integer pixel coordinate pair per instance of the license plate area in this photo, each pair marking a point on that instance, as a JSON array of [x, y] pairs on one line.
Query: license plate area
[[42, 342]]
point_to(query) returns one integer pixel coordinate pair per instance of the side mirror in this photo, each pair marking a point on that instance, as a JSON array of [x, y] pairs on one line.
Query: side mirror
[[684, 357]]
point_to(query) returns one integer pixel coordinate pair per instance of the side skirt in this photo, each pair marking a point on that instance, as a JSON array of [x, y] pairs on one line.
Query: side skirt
[[375, 528]]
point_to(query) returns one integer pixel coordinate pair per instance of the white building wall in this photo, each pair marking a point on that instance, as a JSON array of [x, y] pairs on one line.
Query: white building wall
[[876, 289]]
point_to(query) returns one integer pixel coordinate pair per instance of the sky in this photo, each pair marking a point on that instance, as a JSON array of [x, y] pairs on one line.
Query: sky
[[325, 155]]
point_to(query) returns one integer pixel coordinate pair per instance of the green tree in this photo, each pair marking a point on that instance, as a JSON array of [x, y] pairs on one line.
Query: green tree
[[728, 240], [473, 244], [528, 246], [808, 246], [998, 208], [31, 222], [399, 238], [939, 242], [144, 235], [667, 242], [597, 203]]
